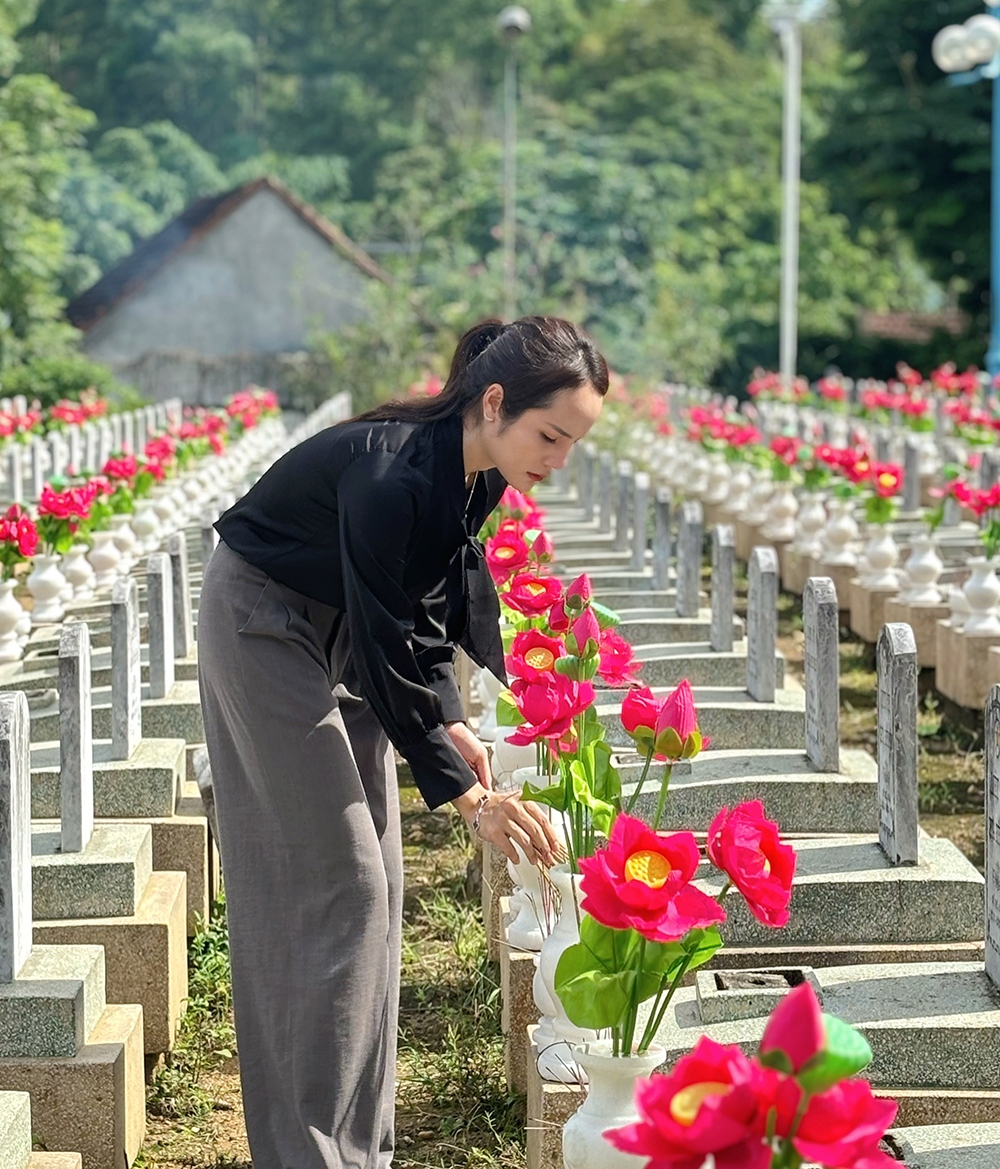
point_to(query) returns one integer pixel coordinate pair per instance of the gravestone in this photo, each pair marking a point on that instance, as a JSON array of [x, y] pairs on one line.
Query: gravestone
[[762, 624], [661, 539], [90, 437], [606, 499], [37, 468], [896, 657], [992, 761], [883, 447], [75, 449], [15, 835], [183, 617], [623, 513], [640, 520], [76, 738], [20, 405], [911, 477], [116, 433], [723, 562], [822, 673], [689, 545], [160, 607], [105, 443], [15, 472], [126, 675], [586, 458], [57, 453]]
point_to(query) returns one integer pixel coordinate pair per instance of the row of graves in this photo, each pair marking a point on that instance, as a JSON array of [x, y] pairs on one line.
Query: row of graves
[[896, 931], [106, 857]]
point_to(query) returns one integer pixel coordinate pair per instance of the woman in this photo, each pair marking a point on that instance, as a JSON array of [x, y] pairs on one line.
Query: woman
[[327, 627]]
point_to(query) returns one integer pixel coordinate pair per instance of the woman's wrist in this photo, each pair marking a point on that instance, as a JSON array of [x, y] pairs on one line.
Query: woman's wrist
[[468, 804]]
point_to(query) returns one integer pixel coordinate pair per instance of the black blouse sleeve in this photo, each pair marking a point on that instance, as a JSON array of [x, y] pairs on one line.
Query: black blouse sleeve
[[435, 652], [377, 509]]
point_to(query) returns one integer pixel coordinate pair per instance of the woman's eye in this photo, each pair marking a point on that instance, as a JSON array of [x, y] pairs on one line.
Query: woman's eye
[[547, 439]]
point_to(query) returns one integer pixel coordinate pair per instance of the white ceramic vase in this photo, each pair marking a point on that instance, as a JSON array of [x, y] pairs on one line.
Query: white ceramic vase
[[958, 606], [11, 615], [104, 559], [125, 542], [882, 555], [490, 689], [755, 512], [610, 1103], [739, 491], [146, 526], [982, 591], [46, 584], [840, 534], [719, 476], [781, 511], [78, 572], [509, 759], [532, 906], [922, 570], [555, 1037], [809, 522]]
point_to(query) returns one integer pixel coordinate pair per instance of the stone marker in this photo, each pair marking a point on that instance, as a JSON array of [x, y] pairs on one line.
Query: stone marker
[[75, 448], [116, 432], [822, 673], [689, 545], [723, 561], [183, 620], [15, 473], [126, 671], [623, 513], [585, 461], [661, 539], [76, 739], [762, 624], [15, 835], [605, 500], [640, 520], [160, 606], [37, 468], [992, 758], [911, 477], [90, 439], [896, 657]]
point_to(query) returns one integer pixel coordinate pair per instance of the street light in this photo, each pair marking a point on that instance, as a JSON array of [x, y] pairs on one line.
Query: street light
[[786, 17], [513, 22], [969, 52]]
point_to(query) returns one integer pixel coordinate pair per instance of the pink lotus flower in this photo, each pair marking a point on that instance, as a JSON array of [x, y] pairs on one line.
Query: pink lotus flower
[[506, 554], [532, 654], [585, 635], [578, 592], [558, 618], [640, 712], [747, 847], [796, 1028], [532, 595], [677, 734], [842, 1127], [548, 704], [641, 880], [541, 547], [617, 665], [714, 1101]]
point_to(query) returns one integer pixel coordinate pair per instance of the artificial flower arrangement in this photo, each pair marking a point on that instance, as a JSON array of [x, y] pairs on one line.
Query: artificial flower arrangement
[[980, 501], [18, 539], [64, 515], [795, 1101], [886, 481]]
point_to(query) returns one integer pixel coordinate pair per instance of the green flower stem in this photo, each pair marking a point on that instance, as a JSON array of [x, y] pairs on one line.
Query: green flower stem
[[642, 779], [633, 1009], [659, 1010], [664, 786]]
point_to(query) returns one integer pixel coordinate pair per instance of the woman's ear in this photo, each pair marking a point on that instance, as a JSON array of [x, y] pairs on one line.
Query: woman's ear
[[492, 402]]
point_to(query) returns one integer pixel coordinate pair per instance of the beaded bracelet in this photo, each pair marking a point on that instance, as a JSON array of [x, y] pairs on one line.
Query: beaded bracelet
[[477, 816]]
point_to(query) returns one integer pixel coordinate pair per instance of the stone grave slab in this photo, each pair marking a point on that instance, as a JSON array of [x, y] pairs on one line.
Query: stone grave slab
[[666, 665], [868, 609], [923, 620], [666, 627], [947, 1146], [963, 671], [105, 879]]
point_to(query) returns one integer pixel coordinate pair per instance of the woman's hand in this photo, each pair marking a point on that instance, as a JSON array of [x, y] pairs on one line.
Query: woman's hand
[[471, 749], [507, 820]]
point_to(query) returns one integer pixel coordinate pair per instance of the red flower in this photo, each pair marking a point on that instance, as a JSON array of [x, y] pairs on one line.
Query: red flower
[[715, 1101], [746, 846], [58, 504], [548, 703], [677, 734], [27, 536], [887, 479], [541, 547], [558, 618], [155, 468], [842, 1127], [640, 713], [796, 1028], [641, 880], [125, 468], [532, 654], [617, 665], [786, 448], [217, 443], [506, 554], [160, 450], [585, 635], [579, 592], [531, 595]]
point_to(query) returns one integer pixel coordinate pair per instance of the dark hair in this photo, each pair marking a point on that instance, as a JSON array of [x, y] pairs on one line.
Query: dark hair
[[533, 359]]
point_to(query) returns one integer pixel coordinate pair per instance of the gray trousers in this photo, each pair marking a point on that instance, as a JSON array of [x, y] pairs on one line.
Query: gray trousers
[[308, 811]]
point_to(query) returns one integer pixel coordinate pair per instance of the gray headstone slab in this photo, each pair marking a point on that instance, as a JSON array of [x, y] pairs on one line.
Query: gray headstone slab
[[723, 563], [640, 519], [37, 468], [15, 473], [661, 539], [126, 670], [160, 608], [623, 510], [911, 477], [690, 537], [822, 673], [992, 761], [896, 727], [585, 467], [15, 834], [183, 615], [116, 432], [76, 738], [762, 624], [606, 491]]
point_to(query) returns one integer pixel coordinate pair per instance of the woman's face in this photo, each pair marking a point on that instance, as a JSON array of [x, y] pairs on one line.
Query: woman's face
[[537, 442]]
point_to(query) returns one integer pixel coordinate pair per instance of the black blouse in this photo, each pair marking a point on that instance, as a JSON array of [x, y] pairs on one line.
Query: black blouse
[[374, 518]]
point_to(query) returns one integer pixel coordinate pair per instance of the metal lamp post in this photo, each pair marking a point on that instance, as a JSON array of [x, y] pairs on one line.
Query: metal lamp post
[[969, 52], [513, 21]]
